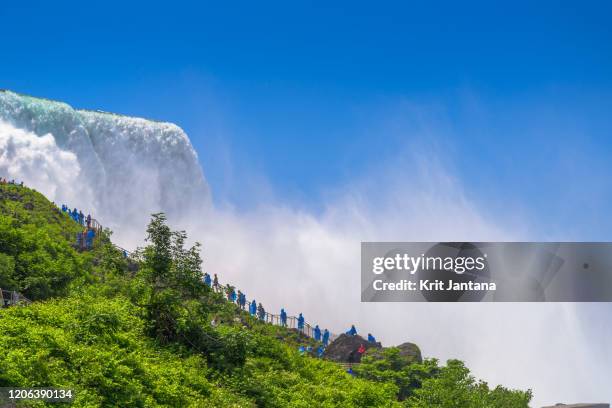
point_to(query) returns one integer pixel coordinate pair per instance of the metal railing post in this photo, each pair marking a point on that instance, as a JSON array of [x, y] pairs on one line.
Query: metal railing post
[[274, 319]]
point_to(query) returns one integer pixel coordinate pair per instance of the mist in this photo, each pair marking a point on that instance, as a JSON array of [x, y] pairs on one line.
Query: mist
[[309, 262], [286, 257]]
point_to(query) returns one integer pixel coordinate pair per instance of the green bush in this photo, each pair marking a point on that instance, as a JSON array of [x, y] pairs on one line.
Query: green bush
[[454, 387], [98, 347]]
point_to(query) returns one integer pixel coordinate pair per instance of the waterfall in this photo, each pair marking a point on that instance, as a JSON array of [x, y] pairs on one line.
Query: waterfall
[[117, 167]]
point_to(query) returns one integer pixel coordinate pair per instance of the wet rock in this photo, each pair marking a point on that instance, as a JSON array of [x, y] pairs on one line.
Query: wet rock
[[344, 348], [409, 353]]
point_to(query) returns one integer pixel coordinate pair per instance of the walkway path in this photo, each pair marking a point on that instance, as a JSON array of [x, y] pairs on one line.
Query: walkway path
[[292, 321], [275, 319]]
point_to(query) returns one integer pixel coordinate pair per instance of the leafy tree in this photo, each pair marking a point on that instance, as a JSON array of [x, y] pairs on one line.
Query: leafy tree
[[168, 264], [175, 308], [429, 385], [454, 387], [158, 255], [388, 365]]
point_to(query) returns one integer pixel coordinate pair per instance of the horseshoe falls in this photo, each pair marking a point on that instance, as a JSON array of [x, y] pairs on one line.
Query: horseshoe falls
[[119, 168]]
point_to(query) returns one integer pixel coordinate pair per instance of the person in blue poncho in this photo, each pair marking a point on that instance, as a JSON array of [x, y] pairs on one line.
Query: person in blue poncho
[[261, 312], [232, 296], [320, 351], [302, 349], [283, 318], [300, 321], [352, 331], [241, 300], [325, 337], [253, 308], [371, 338], [91, 234], [207, 280], [317, 333], [228, 289]]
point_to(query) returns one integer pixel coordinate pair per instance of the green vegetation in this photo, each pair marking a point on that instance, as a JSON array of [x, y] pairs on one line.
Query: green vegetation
[[139, 332], [427, 384], [36, 257]]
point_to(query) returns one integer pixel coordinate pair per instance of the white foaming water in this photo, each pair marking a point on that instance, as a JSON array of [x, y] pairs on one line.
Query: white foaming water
[[41, 164], [121, 169]]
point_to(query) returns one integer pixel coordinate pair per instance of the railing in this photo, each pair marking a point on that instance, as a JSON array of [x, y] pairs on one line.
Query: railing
[[292, 323], [123, 250], [275, 319], [12, 298], [84, 241], [95, 225]]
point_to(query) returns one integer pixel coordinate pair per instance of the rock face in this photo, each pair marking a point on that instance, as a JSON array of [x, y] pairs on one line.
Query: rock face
[[344, 348], [410, 351]]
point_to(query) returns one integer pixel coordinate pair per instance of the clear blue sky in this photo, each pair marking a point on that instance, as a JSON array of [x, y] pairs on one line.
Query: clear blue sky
[[515, 98]]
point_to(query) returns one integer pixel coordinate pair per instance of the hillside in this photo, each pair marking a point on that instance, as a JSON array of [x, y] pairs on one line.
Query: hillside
[[144, 331]]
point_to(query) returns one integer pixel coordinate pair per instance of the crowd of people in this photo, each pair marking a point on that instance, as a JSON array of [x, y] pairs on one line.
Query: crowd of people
[[85, 238], [257, 310], [353, 332], [3, 180], [77, 216]]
